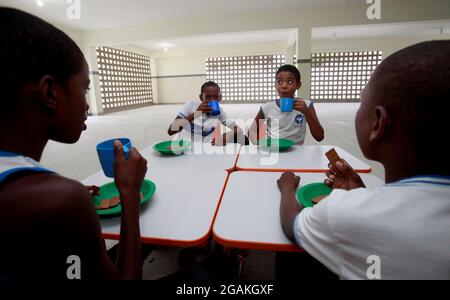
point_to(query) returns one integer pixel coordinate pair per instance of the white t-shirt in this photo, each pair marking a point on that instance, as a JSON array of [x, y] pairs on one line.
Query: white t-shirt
[[202, 127], [405, 224], [288, 125], [12, 163]]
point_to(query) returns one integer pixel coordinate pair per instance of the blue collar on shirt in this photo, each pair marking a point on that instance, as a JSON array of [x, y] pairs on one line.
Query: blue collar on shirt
[[8, 154], [427, 179]]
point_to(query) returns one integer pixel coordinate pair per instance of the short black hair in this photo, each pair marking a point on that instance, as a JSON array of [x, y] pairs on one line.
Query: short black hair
[[414, 86], [32, 48], [291, 69], [207, 84]]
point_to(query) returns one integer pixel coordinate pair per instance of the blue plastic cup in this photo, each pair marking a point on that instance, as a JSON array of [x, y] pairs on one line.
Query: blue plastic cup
[[215, 107], [287, 104], [105, 151]]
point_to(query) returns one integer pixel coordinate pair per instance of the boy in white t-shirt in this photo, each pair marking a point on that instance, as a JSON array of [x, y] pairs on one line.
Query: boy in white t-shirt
[[289, 125], [400, 230], [196, 123]]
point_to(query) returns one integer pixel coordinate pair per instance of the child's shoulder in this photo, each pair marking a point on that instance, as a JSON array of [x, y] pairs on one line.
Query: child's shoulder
[[44, 194], [190, 105], [268, 107], [269, 104]]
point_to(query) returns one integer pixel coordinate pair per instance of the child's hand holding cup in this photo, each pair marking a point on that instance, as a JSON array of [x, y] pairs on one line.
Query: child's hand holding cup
[[105, 151]]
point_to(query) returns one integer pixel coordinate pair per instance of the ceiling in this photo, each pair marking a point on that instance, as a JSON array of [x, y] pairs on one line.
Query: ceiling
[[383, 30], [102, 14], [286, 35], [268, 36]]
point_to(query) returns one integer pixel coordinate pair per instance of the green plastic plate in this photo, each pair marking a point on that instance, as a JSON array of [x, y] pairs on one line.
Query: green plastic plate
[[172, 147], [276, 144], [306, 193], [109, 190]]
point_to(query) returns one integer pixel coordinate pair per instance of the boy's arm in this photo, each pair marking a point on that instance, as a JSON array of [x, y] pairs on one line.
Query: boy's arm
[[179, 123], [83, 228], [253, 133], [236, 135], [289, 207], [80, 223], [309, 229], [129, 175], [311, 117], [64, 223]]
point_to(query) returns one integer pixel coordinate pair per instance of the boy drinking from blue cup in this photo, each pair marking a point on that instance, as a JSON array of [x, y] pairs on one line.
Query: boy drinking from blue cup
[[199, 119], [287, 117], [215, 107]]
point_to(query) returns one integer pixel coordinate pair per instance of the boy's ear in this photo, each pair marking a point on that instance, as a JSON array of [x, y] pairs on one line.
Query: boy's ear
[[299, 85], [47, 92], [200, 97], [380, 124]]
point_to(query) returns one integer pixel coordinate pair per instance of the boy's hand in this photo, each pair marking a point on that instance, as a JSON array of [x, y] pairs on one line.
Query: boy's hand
[[204, 108], [343, 177], [129, 174], [93, 190], [300, 105], [288, 182], [220, 141]]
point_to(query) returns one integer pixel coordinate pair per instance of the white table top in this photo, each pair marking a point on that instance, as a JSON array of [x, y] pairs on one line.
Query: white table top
[[182, 210], [306, 158], [200, 156], [249, 214]]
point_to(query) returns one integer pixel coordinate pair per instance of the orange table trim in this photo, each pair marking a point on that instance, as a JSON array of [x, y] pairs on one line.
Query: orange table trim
[[256, 245], [366, 171]]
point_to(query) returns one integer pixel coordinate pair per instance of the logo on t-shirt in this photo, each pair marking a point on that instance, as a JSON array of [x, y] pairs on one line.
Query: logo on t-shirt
[[299, 119]]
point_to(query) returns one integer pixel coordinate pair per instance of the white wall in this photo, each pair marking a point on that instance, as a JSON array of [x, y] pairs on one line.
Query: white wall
[[179, 89], [181, 65], [76, 35]]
